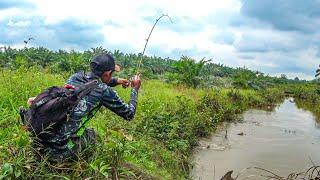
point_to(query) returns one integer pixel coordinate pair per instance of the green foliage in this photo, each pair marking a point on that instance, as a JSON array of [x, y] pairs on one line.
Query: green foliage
[[158, 143], [173, 127], [306, 97], [187, 71], [243, 79], [246, 79]]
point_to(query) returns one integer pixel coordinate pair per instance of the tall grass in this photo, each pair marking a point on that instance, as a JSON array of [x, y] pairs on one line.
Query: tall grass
[[157, 144]]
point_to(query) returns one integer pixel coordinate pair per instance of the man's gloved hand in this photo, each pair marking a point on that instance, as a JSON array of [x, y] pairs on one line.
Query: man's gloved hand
[[136, 82], [124, 82]]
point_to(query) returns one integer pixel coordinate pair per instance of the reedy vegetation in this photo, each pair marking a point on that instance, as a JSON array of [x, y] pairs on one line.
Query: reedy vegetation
[[170, 119]]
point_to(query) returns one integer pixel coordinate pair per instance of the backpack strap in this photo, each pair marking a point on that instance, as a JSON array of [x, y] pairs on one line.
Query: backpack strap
[[41, 102], [86, 88], [87, 118], [45, 100]]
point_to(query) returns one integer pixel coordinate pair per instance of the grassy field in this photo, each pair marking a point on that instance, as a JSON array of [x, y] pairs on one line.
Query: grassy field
[[157, 144]]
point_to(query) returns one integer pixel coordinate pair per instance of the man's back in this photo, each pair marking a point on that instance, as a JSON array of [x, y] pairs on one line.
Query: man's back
[[67, 139], [103, 95], [78, 115]]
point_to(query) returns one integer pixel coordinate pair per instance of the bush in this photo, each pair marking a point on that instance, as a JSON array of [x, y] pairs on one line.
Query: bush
[[187, 72]]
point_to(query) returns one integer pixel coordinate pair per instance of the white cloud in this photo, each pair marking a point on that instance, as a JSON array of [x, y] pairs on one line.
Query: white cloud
[[11, 13], [125, 24], [18, 23], [126, 11]]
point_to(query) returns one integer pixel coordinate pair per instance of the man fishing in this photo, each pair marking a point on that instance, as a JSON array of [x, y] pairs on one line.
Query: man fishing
[[71, 137]]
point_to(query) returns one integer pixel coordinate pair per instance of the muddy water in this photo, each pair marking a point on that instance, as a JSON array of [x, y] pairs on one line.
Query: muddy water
[[282, 141]]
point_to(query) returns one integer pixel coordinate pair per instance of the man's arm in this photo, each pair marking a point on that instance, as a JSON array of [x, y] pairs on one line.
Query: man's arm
[[113, 102], [113, 82], [116, 81]]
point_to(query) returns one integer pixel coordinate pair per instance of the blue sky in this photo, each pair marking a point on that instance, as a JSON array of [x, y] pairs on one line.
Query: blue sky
[[272, 36]]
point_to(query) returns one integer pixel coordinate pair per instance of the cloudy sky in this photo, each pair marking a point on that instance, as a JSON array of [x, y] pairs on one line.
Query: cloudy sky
[[272, 36]]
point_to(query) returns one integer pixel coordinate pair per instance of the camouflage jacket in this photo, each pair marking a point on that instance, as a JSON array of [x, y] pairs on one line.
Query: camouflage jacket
[[102, 95]]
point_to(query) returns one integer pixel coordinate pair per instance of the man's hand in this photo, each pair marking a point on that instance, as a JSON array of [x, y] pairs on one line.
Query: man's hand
[[136, 82], [124, 82]]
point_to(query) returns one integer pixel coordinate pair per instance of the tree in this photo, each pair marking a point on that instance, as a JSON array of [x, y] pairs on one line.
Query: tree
[[188, 71], [283, 76]]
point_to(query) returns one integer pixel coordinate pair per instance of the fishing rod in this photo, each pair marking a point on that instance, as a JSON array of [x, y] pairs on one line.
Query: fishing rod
[[137, 74], [147, 40]]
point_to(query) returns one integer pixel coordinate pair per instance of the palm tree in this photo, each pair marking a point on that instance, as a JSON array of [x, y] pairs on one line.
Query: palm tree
[[317, 72]]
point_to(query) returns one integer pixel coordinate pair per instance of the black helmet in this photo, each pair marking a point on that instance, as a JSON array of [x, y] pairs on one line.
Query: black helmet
[[102, 63]]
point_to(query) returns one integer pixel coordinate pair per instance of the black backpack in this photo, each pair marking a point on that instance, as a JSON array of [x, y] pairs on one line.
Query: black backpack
[[52, 107]]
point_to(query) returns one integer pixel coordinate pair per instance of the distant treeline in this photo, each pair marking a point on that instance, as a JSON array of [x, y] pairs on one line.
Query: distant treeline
[[187, 71]]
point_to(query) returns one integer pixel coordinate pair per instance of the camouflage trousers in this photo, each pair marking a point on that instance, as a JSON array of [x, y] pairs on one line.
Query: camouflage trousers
[[81, 148]]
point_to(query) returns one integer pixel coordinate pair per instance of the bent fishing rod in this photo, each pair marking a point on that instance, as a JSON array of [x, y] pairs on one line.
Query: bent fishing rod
[[139, 65], [147, 40]]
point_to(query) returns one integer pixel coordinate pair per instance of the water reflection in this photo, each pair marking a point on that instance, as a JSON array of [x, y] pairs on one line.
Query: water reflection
[[281, 140], [309, 107]]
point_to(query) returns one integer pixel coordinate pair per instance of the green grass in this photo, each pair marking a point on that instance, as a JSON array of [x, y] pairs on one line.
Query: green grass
[[157, 144]]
